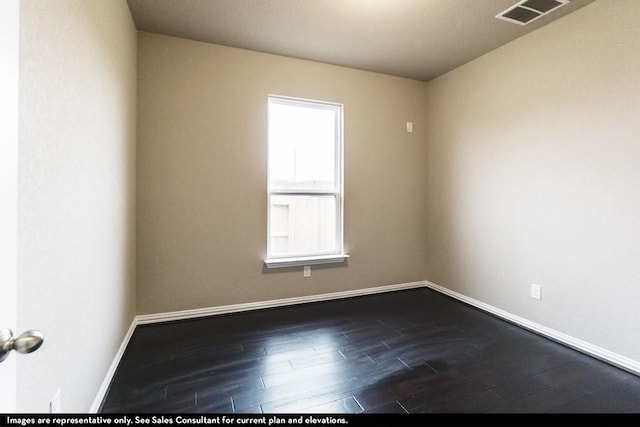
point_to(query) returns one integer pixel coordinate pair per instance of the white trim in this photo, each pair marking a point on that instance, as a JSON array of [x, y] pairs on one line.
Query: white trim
[[236, 308], [622, 362], [338, 191], [146, 319], [102, 391], [605, 355], [9, 141], [308, 260]]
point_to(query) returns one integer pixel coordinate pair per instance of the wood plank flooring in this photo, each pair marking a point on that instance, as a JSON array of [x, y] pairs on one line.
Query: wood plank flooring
[[413, 351]]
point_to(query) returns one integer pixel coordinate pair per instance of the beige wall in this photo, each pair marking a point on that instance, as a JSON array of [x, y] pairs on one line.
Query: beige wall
[[202, 201], [528, 157], [76, 208], [534, 177]]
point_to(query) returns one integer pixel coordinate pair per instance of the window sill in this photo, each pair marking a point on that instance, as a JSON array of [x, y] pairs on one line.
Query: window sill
[[301, 261]]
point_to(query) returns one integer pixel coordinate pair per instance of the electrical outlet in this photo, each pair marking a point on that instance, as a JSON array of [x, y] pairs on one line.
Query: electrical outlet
[[307, 271], [55, 406], [536, 291], [409, 127]]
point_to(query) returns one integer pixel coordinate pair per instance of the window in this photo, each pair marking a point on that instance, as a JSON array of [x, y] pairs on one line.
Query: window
[[305, 182]]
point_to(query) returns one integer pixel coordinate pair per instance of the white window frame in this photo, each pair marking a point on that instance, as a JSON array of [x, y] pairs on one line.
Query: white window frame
[[334, 256]]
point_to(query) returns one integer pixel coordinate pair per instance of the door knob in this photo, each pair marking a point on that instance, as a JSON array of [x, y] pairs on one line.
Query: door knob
[[28, 342]]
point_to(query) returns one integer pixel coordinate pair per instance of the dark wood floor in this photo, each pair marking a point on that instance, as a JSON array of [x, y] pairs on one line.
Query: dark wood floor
[[414, 351]]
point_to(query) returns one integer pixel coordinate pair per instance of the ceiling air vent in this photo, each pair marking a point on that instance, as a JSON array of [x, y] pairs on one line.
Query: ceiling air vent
[[528, 11]]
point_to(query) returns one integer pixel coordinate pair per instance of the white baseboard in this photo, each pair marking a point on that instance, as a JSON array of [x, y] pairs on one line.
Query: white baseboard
[[622, 362], [236, 308], [102, 391], [605, 355]]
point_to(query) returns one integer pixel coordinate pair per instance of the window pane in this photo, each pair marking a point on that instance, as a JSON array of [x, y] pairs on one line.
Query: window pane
[[280, 220], [310, 224], [302, 144]]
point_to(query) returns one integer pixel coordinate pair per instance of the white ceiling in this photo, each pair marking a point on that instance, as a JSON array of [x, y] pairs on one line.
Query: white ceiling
[[419, 39]]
